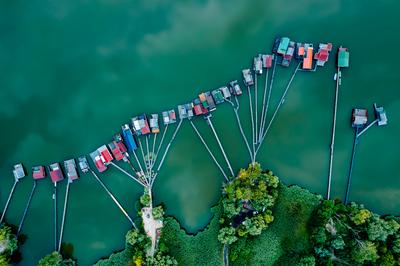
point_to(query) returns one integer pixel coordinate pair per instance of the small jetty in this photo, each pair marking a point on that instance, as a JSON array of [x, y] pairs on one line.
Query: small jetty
[[248, 81], [359, 121], [72, 175], [56, 176], [209, 151], [325, 49], [124, 212], [19, 173], [38, 172]]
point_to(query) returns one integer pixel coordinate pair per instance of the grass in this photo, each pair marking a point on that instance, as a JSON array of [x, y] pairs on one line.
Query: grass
[[200, 249], [286, 235]]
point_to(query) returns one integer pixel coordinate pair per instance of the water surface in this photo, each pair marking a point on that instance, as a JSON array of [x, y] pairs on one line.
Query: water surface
[[73, 73]]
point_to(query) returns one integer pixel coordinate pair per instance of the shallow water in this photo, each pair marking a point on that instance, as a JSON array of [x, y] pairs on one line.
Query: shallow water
[[73, 73]]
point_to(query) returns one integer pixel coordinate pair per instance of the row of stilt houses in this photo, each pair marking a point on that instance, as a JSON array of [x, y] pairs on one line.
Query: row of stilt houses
[[139, 152]]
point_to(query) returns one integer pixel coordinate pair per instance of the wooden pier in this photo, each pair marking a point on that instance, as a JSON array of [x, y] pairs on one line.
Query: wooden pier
[[281, 101], [236, 112], [64, 215], [219, 144], [113, 198], [3, 214], [55, 215], [128, 174], [209, 151], [346, 199], [28, 204], [332, 146]]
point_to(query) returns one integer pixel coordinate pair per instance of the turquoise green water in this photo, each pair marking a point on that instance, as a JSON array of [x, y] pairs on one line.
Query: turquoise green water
[[71, 74]]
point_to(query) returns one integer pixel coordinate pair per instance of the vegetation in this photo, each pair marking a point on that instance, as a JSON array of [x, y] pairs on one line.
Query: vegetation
[[8, 244], [351, 234], [247, 203], [306, 230], [158, 213], [55, 259], [200, 249]]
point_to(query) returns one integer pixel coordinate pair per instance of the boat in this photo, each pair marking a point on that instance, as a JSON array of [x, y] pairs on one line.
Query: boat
[[19, 172], [140, 125], [283, 46], [189, 110], [172, 116], [56, 174], [322, 55], [225, 92], [210, 101], [129, 139], [343, 57], [235, 88], [300, 51], [182, 112], [116, 152], [105, 154], [247, 77], [287, 58], [203, 100], [258, 64], [218, 96], [380, 115], [307, 61], [267, 60], [70, 168], [119, 141], [83, 164], [98, 162], [38, 172], [359, 118], [165, 116], [169, 117], [197, 107], [277, 41], [155, 128]]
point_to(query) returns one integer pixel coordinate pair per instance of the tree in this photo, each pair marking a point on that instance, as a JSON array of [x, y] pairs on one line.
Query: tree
[[53, 259], [145, 199], [306, 261], [161, 260], [4, 261], [365, 252], [134, 237], [158, 212], [338, 243], [358, 214], [227, 235], [8, 241]]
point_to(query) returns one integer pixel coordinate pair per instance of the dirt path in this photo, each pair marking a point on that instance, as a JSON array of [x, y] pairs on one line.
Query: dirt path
[[152, 228]]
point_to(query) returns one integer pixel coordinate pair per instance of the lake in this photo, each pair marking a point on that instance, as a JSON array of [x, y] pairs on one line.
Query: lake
[[72, 73]]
